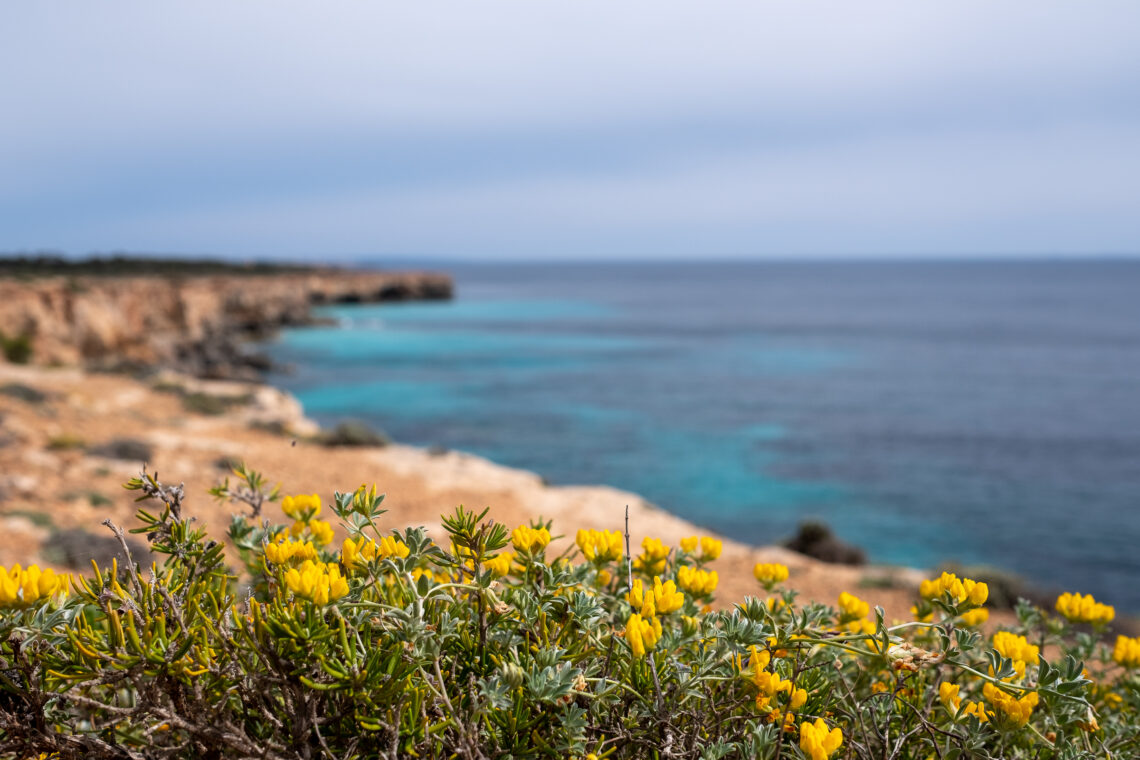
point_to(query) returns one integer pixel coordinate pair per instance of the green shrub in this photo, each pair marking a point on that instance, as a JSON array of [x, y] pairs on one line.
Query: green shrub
[[499, 645], [17, 350], [353, 433], [65, 442], [127, 449], [211, 404]]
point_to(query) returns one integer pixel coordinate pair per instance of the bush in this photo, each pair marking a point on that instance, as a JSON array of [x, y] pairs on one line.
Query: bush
[[212, 405], [129, 449], [353, 433], [17, 350], [497, 645], [65, 442]]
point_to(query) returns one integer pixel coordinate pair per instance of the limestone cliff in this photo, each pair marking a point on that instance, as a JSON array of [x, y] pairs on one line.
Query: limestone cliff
[[194, 323]]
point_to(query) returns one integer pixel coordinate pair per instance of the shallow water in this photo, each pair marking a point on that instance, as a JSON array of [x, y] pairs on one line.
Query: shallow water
[[985, 412]]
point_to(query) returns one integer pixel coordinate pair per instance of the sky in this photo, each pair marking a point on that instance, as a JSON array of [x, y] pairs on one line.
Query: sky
[[571, 130]]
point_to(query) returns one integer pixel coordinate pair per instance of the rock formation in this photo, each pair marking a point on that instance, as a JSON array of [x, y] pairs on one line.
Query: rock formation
[[197, 324]]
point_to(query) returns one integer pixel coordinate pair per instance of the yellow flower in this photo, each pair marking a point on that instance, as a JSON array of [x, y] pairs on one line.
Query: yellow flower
[[642, 634], [977, 710], [500, 564], [758, 661], [353, 552], [302, 506], [320, 530], [604, 578], [817, 742], [710, 549], [921, 618], [285, 551], [961, 590], [662, 598], [19, 587], [1016, 648], [974, 618], [1084, 609], [529, 540], [1013, 709], [1126, 652], [852, 607], [600, 545], [697, 582], [651, 561], [770, 573], [319, 582], [948, 695], [860, 626]]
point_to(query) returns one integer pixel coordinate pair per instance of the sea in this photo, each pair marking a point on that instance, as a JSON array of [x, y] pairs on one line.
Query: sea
[[981, 412]]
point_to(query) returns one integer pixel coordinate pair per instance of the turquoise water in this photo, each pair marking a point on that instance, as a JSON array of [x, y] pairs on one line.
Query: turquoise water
[[926, 411]]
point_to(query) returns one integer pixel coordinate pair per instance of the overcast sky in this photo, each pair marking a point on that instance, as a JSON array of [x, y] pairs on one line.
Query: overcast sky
[[574, 129]]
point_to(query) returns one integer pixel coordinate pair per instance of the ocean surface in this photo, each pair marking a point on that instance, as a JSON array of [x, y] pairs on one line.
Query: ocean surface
[[984, 412]]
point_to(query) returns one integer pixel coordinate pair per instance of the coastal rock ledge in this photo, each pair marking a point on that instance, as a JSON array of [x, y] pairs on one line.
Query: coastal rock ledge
[[198, 324]]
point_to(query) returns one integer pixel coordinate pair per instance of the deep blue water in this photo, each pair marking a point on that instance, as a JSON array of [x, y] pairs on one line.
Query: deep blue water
[[977, 411]]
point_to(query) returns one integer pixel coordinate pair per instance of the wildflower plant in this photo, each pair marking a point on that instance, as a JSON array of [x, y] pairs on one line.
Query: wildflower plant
[[501, 641]]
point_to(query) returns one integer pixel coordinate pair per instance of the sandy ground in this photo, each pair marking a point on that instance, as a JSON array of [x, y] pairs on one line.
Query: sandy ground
[[49, 482]]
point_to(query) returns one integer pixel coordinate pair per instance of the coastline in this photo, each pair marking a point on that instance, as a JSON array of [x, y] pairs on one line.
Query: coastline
[[52, 471]]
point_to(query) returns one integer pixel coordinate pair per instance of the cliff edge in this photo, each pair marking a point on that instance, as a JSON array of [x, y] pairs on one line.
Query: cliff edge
[[197, 324]]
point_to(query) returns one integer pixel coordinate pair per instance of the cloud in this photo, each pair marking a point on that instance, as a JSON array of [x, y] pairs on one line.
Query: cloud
[[573, 129]]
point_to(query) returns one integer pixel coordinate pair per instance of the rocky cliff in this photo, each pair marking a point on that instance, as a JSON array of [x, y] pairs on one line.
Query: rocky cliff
[[196, 324]]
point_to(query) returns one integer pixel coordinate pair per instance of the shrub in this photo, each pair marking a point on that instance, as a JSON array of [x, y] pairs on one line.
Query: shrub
[[17, 350], [498, 644], [212, 405], [65, 442], [129, 449], [353, 433]]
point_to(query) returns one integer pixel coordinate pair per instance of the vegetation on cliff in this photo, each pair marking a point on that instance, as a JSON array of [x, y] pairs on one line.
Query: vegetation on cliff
[[120, 265], [497, 644]]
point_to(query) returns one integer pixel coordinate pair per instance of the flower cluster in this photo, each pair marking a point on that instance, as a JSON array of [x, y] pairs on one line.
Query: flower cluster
[[699, 583], [1084, 609], [529, 540], [353, 552], [320, 531], [600, 545], [852, 608], [774, 694], [301, 507], [948, 695], [1017, 648], [1009, 708], [20, 587], [285, 551], [642, 634], [964, 591], [653, 556], [500, 564], [661, 599], [319, 582], [770, 573], [710, 548], [1126, 652], [817, 742]]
